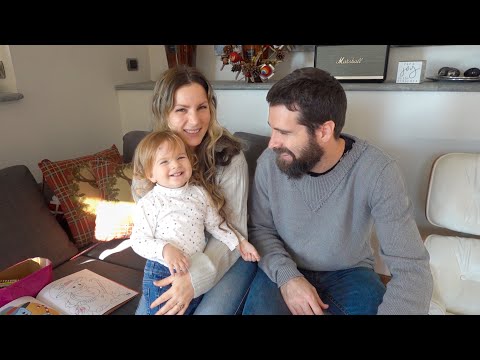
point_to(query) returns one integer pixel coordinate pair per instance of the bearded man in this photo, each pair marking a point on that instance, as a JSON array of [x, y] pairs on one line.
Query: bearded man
[[316, 197]]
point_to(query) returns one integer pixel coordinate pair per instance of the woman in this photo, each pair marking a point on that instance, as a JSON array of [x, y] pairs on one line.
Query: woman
[[184, 101]]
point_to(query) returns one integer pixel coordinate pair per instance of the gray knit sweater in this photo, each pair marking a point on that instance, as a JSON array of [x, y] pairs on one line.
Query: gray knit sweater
[[324, 223]]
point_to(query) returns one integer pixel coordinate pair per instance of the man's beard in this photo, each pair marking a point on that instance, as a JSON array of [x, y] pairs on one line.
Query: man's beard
[[310, 155]]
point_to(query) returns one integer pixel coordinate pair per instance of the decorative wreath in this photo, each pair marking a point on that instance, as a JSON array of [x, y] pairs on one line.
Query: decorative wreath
[[255, 67]]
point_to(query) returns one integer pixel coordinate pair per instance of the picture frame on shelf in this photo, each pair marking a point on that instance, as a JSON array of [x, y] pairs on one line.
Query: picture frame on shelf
[[411, 72]]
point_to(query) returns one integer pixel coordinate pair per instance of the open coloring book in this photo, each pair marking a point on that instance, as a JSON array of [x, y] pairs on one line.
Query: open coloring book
[[81, 293]]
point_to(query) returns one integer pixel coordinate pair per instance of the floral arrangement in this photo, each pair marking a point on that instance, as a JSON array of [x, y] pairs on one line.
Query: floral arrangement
[[256, 62]]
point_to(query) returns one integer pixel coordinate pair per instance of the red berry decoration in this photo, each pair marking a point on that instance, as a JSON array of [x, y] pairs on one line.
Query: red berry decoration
[[235, 57]]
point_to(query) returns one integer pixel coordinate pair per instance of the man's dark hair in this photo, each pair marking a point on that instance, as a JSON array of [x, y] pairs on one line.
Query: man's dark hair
[[315, 94]]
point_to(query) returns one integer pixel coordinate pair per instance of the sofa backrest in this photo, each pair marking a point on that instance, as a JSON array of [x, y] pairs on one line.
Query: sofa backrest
[[253, 147], [27, 228], [130, 142]]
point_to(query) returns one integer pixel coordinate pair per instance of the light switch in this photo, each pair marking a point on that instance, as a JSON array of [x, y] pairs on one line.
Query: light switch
[[132, 64]]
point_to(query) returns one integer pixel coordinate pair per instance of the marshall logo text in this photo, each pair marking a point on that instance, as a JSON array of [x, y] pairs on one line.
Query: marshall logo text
[[352, 60]]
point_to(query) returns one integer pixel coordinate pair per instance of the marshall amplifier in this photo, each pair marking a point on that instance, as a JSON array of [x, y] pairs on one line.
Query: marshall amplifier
[[353, 63]]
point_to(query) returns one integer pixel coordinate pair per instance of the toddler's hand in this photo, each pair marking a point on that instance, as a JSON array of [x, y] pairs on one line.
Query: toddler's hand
[[248, 251], [175, 259]]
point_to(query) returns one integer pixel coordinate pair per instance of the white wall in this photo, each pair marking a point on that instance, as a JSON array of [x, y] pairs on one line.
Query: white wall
[[70, 106], [135, 110], [415, 127], [158, 60]]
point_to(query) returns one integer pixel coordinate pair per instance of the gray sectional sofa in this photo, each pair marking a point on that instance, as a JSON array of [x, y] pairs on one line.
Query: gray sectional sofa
[[28, 228]]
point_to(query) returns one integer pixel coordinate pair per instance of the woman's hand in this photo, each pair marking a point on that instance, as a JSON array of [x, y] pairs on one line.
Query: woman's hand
[[177, 298]]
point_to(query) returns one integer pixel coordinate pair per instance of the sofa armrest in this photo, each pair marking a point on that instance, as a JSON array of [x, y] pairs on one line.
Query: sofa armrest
[[27, 227]]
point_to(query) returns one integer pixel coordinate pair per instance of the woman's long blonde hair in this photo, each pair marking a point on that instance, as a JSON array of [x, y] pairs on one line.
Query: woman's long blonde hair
[[217, 147]]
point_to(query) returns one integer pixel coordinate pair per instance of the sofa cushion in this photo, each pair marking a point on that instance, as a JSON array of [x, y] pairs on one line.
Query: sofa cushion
[[455, 265], [115, 210], [27, 227], [75, 186], [114, 179]]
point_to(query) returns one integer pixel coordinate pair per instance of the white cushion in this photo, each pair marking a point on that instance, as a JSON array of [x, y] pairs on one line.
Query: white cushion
[[453, 200], [455, 265]]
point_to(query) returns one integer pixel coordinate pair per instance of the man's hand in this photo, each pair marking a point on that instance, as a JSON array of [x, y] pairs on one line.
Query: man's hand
[[302, 298], [175, 259]]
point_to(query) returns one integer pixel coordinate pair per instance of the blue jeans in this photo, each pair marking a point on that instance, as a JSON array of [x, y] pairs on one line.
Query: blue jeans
[[155, 271], [356, 291], [225, 298]]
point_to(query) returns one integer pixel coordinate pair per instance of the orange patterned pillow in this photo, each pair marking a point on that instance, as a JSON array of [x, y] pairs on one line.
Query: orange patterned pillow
[[115, 210], [74, 184]]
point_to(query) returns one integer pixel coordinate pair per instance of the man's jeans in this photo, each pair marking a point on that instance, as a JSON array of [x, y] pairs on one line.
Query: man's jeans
[[356, 291], [225, 298]]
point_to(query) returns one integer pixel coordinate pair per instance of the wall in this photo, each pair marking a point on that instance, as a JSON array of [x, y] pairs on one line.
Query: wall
[[415, 127], [135, 110], [70, 106]]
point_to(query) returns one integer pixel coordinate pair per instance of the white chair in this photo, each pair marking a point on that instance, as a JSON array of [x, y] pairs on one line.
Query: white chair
[[453, 203]]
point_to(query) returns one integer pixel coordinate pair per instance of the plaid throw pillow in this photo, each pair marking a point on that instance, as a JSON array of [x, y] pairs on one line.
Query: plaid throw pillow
[[74, 184], [115, 210]]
